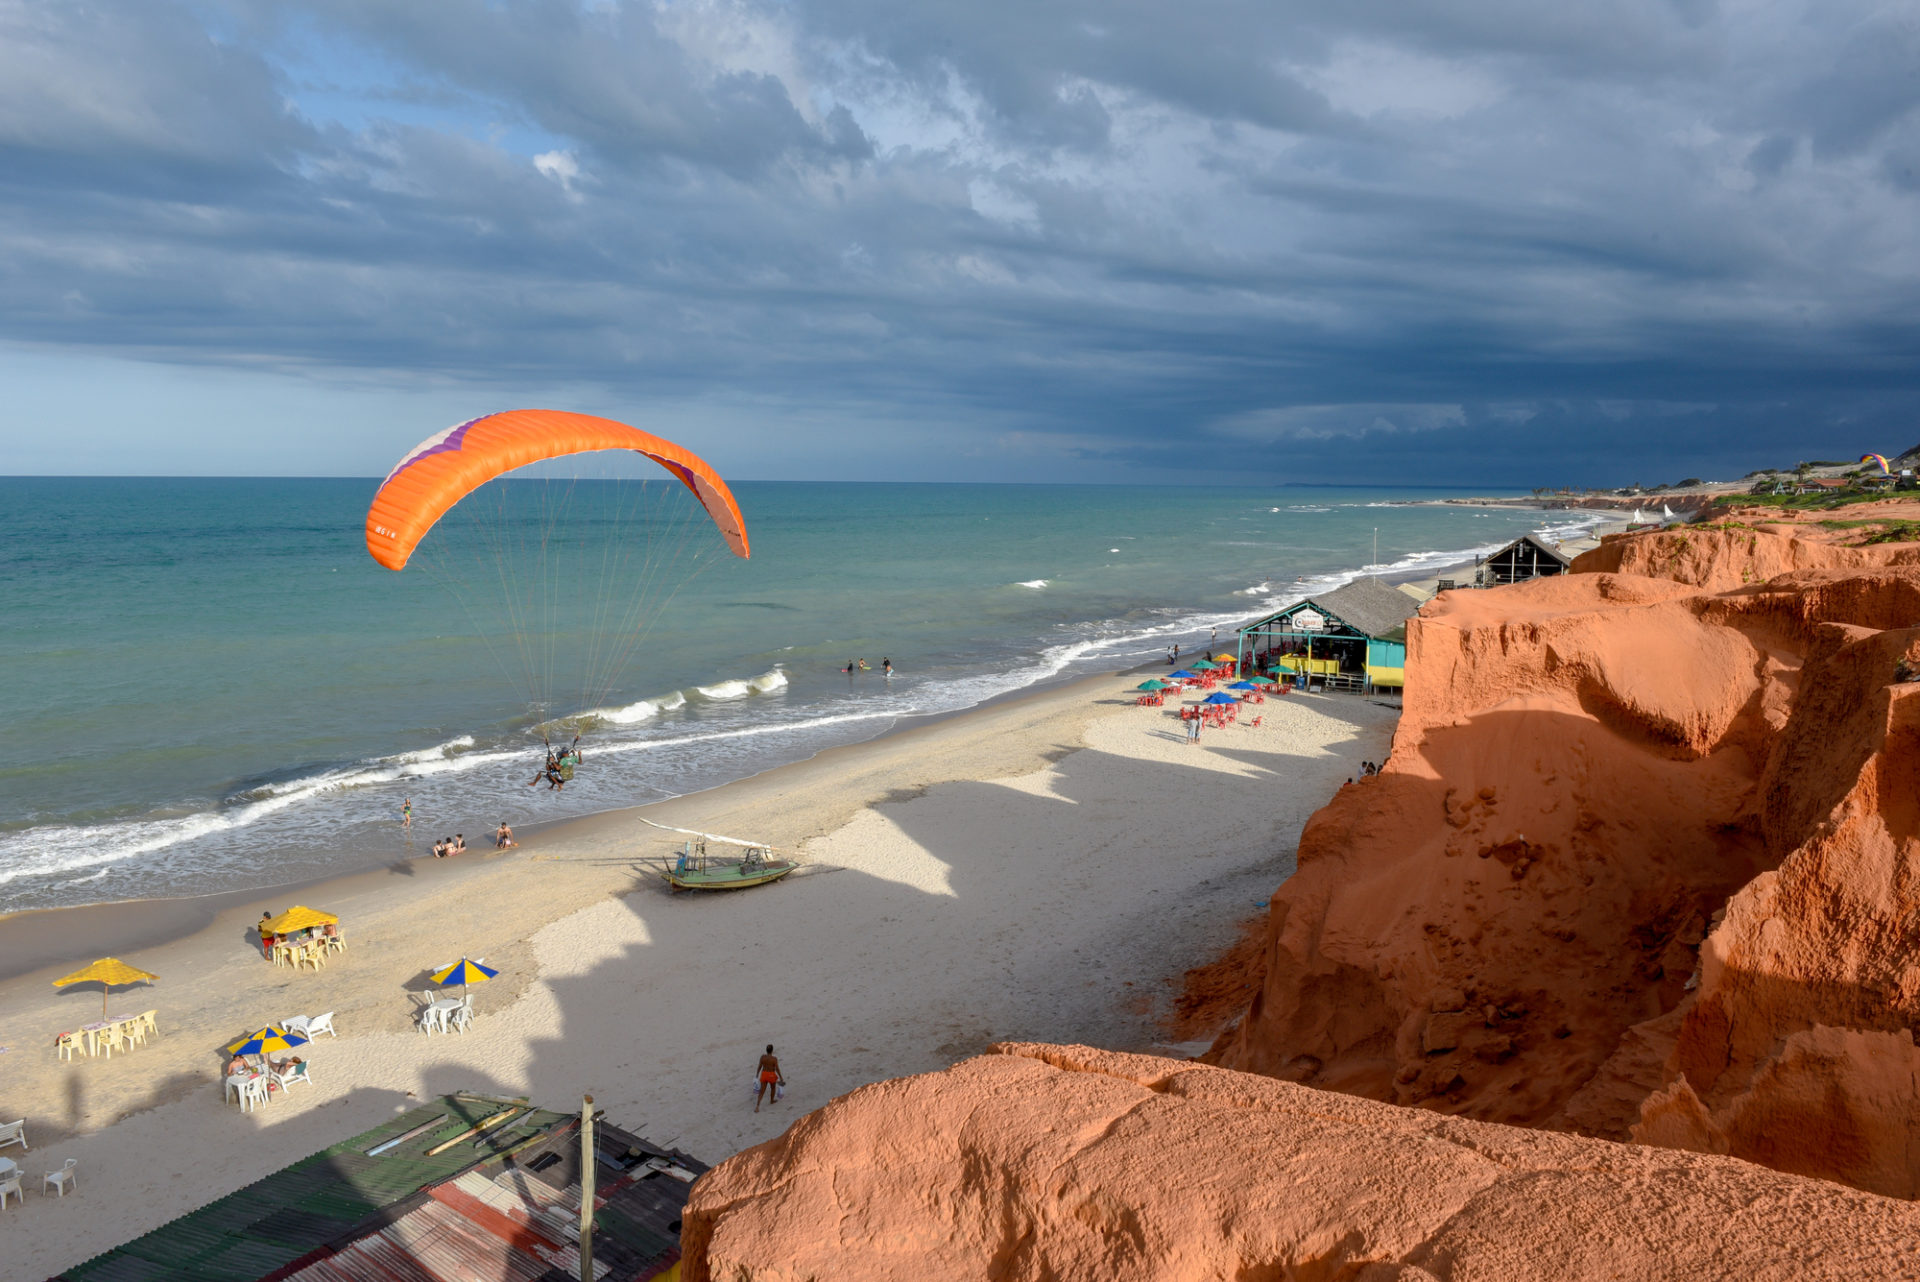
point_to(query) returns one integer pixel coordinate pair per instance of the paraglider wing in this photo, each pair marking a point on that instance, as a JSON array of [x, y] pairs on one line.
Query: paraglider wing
[[1881, 459], [443, 469]]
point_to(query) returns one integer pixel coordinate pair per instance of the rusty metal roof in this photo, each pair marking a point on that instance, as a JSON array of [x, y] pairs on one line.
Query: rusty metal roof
[[503, 1206]]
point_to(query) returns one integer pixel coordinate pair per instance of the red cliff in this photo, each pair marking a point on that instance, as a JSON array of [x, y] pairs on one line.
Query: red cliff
[[1641, 863], [1078, 1165]]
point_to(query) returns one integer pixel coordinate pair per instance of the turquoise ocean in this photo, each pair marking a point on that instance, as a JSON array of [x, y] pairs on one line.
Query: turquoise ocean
[[210, 686]]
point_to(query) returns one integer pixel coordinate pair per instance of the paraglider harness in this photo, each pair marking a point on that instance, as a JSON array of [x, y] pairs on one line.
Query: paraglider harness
[[559, 767]]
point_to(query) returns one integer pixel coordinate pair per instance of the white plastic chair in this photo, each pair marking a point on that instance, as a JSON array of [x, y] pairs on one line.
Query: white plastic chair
[[296, 1024], [72, 1044], [433, 1019], [61, 1178], [294, 1076], [253, 1093], [11, 1185], [321, 1024], [461, 1017], [13, 1133]]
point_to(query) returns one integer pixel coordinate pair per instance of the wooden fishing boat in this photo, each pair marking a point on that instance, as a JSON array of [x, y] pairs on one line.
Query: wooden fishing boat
[[693, 868]]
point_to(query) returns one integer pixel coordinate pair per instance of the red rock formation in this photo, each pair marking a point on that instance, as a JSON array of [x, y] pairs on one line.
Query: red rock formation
[[1737, 554], [1075, 1165], [1591, 771]]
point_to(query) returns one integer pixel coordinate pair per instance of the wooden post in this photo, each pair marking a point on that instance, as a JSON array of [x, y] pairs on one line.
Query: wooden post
[[586, 1190]]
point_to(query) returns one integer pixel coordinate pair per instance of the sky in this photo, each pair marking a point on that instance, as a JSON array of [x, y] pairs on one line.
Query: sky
[[1459, 242]]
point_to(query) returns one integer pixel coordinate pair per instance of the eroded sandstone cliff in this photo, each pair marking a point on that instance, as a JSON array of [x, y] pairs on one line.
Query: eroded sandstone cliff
[[1078, 1165], [1642, 863]]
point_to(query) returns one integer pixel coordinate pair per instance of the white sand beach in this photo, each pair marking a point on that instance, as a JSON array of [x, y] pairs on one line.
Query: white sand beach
[[1040, 869]]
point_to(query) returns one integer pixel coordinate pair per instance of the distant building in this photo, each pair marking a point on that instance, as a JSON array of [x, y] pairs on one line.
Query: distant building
[[1352, 638], [1524, 558], [403, 1202]]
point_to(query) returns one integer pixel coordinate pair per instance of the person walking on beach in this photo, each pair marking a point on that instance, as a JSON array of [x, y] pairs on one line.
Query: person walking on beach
[[406, 813], [770, 1079]]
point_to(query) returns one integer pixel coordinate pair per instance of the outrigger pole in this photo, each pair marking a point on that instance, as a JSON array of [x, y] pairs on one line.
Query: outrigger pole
[[709, 836]]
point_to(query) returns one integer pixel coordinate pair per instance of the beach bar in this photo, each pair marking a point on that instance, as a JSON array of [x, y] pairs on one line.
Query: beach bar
[[1352, 638], [1527, 557]]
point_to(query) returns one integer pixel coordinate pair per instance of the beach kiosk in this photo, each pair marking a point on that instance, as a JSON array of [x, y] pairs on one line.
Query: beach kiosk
[[1352, 638], [1527, 557]]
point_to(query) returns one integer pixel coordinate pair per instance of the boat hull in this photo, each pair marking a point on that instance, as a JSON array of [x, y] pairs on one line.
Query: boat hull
[[727, 877]]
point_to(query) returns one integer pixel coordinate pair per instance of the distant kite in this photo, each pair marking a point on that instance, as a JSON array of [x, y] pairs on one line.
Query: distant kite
[[1881, 459]]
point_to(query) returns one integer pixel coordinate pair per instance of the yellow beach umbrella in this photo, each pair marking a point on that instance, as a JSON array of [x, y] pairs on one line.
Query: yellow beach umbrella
[[108, 972], [298, 917]]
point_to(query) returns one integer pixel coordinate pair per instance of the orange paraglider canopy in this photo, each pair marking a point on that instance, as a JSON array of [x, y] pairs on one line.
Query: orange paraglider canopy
[[443, 469]]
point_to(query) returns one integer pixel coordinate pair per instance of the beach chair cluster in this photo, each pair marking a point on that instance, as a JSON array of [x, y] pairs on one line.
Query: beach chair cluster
[[103, 1037], [59, 1179], [253, 1080], [444, 1014], [309, 949], [253, 1087]]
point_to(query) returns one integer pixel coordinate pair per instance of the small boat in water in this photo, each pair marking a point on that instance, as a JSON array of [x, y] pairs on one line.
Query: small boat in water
[[694, 869]]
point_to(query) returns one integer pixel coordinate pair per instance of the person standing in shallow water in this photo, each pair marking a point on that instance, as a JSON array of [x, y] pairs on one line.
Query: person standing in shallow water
[[770, 1079]]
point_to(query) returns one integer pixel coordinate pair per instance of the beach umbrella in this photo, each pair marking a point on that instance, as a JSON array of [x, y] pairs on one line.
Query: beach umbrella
[[1243, 685], [1227, 658], [1220, 697], [1151, 685], [1183, 675], [463, 972], [266, 1041], [298, 917], [1260, 680], [1205, 666], [108, 972]]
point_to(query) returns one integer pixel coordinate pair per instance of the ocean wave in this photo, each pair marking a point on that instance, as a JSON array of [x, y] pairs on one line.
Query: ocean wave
[[741, 687], [62, 848], [637, 711], [1035, 584]]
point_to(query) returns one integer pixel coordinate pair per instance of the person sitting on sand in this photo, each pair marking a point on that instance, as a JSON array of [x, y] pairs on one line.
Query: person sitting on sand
[[770, 1079], [440, 847], [459, 844], [503, 837]]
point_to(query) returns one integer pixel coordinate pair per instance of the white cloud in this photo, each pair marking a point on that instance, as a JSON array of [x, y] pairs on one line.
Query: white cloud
[[562, 167]]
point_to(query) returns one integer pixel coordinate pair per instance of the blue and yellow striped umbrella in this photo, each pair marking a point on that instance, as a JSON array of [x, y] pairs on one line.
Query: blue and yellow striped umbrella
[[266, 1041], [463, 972]]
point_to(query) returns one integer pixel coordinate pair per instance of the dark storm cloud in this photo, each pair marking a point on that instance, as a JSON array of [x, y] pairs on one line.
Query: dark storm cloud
[[1480, 239]]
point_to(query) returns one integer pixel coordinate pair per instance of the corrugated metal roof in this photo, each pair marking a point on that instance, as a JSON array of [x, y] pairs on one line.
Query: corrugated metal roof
[[503, 1206], [1367, 605]]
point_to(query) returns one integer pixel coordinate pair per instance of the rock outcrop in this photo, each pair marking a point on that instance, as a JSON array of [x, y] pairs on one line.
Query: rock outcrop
[[1077, 1165], [1642, 863], [1736, 554]]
